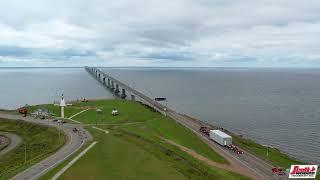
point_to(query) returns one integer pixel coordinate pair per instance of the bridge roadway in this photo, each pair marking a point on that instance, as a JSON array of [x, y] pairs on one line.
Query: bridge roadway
[[246, 163]]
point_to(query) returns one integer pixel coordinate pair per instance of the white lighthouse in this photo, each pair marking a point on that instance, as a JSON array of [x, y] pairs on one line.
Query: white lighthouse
[[62, 105]]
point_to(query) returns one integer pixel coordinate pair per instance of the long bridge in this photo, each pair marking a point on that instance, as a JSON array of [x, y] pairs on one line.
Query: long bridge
[[247, 162], [122, 90]]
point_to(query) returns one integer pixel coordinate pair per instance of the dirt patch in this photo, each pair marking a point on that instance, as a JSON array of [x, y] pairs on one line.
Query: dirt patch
[[194, 154]]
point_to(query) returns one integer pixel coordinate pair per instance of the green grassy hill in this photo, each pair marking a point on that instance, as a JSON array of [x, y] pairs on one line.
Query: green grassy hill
[[39, 141], [135, 149]]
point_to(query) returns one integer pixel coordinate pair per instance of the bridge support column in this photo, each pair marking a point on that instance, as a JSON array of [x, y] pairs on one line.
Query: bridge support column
[[117, 89], [123, 94], [108, 82], [104, 80], [99, 77], [112, 85], [133, 97]]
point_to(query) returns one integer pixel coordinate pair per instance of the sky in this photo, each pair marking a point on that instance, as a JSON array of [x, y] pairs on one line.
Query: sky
[[168, 33]]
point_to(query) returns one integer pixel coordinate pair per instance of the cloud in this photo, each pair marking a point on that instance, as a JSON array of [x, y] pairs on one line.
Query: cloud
[[160, 33]]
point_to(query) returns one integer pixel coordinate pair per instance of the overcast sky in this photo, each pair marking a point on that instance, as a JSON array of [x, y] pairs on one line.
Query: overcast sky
[[160, 33]]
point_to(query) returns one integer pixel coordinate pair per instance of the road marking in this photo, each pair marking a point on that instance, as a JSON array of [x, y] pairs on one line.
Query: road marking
[[78, 113], [105, 131], [56, 176]]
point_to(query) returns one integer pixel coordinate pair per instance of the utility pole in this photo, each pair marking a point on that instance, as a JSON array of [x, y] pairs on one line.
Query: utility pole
[[25, 153], [59, 132]]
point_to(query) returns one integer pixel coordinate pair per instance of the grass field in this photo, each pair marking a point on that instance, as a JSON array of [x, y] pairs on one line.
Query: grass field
[[134, 150], [125, 155], [134, 113], [40, 142]]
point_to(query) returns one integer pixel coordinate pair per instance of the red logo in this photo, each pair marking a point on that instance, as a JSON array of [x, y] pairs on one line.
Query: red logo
[[303, 171]]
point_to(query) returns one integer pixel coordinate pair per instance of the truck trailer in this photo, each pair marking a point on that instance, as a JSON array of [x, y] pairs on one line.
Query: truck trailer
[[220, 137]]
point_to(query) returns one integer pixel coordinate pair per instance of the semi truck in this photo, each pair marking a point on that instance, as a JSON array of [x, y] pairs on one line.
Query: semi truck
[[220, 137]]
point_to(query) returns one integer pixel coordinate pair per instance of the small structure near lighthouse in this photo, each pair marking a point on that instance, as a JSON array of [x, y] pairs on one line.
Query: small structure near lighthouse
[[62, 105]]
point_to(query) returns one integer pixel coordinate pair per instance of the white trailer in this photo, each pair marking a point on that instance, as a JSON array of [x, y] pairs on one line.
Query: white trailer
[[220, 137]]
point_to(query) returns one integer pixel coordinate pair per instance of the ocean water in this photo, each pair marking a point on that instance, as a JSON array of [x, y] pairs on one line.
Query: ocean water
[[275, 107], [20, 86]]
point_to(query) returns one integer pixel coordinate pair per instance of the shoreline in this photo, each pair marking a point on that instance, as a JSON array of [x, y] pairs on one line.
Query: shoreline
[[239, 137], [243, 137]]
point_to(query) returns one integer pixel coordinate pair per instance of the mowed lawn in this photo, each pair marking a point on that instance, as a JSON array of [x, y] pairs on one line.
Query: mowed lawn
[[124, 155], [40, 141], [129, 112], [114, 158], [157, 124], [134, 148]]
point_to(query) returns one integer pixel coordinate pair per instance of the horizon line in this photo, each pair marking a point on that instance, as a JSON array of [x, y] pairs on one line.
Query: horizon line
[[257, 67]]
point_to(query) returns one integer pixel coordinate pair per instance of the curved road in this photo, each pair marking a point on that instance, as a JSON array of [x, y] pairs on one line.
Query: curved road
[[15, 140], [74, 142]]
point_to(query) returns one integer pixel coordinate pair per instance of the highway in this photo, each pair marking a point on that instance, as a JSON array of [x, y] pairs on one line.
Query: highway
[[74, 142], [246, 163]]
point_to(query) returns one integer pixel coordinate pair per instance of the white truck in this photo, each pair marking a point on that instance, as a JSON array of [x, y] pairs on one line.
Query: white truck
[[220, 137]]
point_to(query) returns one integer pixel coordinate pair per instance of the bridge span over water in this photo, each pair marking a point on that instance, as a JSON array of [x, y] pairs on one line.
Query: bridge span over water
[[247, 162], [122, 90]]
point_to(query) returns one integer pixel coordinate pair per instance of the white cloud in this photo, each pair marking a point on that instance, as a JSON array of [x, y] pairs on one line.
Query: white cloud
[[158, 33]]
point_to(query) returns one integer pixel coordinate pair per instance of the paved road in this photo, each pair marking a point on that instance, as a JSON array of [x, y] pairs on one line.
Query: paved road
[[74, 142], [246, 163], [15, 140]]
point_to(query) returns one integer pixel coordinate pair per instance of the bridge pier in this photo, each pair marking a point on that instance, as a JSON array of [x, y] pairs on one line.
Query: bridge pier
[[117, 89], [108, 82], [112, 85], [123, 94], [134, 94], [104, 80]]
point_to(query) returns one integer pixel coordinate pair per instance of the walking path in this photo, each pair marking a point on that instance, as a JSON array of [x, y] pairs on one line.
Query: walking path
[[56, 176], [105, 131], [74, 143], [14, 142], [77, 114]]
